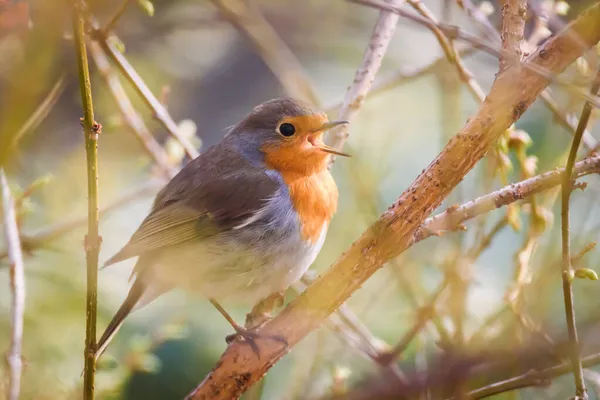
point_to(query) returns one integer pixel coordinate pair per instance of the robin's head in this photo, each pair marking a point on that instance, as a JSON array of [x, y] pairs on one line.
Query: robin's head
[[290, 135]]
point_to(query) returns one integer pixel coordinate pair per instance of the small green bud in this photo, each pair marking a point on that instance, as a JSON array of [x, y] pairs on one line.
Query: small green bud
[[586, 273], [518, 138], [147, 6]]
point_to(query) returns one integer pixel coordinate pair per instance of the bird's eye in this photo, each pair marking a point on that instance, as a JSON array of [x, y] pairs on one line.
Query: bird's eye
[[286, 129]]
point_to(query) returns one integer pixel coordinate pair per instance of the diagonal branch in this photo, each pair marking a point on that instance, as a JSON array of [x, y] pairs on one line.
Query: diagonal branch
[[17, 286], [276, 54], [454, 32], [131, 117], [568, 122], [365, 75], [512, 93], [127, 70]]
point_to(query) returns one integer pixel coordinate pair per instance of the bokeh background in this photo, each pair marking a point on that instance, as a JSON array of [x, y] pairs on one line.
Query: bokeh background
[[210, 76]]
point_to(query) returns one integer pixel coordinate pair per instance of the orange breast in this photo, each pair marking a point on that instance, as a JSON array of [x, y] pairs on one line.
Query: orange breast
[[314, 198]]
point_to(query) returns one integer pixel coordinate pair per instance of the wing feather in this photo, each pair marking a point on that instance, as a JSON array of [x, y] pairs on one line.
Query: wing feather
[[215, 196]]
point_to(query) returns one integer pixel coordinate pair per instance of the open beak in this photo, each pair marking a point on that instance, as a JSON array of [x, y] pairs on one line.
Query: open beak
[[328, 125], [323, 147]]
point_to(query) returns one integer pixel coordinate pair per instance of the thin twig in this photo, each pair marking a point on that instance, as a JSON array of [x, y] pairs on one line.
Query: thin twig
[[512, 93], [424, 315], [17, 288], [158, 109], [454, 32], [452, 219], [568, 122], [41, 111], [365, 75], [449, 49], [476, 14], [52, 232], [347, 324], [529, 379], [110, 26], [249, 21], [405, 75], [91, 131], [567, 188], [132, 118]]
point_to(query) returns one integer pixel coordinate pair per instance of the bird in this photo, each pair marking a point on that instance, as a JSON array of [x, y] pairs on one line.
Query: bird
[[243, 220]]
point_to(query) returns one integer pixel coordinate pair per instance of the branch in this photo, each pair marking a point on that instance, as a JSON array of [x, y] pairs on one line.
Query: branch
[[110, 26], [91, 130], [567, 270], [511, 94], [449, 50], [365, 75], [453, 217], [454, 32], [17, 286], [41, 111], [52, 232], [404, 76], [159, 111], [568, 122], [529, 379], [513, 26], [347, 325], [280, 59], [132, 118]]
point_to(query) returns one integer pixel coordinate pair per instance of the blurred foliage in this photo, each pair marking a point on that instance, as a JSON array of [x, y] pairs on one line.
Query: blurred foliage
[[211, 76]]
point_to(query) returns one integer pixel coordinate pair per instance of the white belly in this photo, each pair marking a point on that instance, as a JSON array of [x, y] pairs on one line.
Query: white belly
[[224, 270]]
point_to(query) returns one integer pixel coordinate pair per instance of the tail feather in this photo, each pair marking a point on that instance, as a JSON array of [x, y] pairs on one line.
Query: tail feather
[[135, 293]]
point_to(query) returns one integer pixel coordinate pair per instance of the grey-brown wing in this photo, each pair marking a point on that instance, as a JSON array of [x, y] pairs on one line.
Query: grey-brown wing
[[199, 203]]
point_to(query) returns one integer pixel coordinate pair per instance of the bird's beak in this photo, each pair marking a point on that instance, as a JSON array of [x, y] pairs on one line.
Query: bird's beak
[[331, 150], [328, 149], [328, 125]]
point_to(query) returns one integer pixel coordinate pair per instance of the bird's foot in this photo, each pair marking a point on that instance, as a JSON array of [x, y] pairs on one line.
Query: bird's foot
[[261, 312], [251, 335]]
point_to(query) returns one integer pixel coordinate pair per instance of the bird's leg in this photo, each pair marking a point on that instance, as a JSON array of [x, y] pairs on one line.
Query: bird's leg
[[261, 312], [249, 335]]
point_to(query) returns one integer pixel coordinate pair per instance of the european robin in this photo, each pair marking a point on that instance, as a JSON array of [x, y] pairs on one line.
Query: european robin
[[242, 221]]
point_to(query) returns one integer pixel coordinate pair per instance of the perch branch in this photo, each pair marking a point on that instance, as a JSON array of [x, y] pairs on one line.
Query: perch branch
[[91, 131], [17, 286], [512, 93], [365, 75]]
